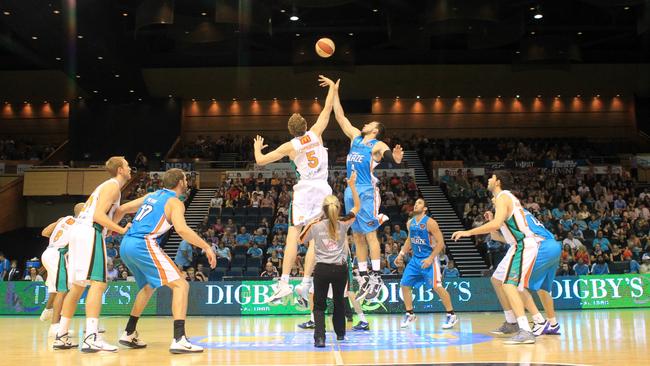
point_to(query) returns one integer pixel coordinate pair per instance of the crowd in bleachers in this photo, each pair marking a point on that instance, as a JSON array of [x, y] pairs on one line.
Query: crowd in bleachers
[[601, 219], [12, 149], [248, 222]]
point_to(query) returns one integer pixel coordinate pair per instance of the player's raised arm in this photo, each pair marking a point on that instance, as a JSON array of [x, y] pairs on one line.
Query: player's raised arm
[[381, 151], [275, 155], [177, 214], [324, 117], [349, 130]]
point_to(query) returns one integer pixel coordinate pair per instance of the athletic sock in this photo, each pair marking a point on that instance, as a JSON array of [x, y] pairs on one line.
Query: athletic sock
[[284, 278], [64, 325], [376, 264], [312, 317], [553, 321], [523, 323], [410, 312], [179, 329], [307, 280], [131, 324], [451, 312], [510, 316], [538, 318], [362, 317], [363, 267], [92, 326]]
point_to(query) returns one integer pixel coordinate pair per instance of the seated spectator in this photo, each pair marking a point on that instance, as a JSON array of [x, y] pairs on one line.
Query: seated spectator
[[565, 270], [584, 255], [602, 241], [33, 275], [450, 271], [14, 271], [202, 273], [111, 252], [270, 271], [216, 201], [255, 251], [223, 252], [259, 238], [617, 254], [645, 264], [600, 267], [580, 268], [399, 235], [567, 255], [111, 271], [280, 224], [191, 275], [5, 264], [571, 241], [243, 238], [597, 252], [267, 201], [577, 233], [274, 259], [184, 254], [218, 227]]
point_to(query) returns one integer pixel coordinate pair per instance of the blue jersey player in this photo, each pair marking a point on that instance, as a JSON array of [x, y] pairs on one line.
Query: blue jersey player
[[156, 213], [366, 152], [426, 241]]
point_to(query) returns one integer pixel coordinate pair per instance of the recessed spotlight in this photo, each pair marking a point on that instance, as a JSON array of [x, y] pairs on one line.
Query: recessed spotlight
[[375, 10], [58, 58], [80, 97], [117, 75], [597, 95], [517, 96], [6, 13], [458, 96], [478, 96], [295, 98], [45, 102], [234, 99], [618, 95], [78, 76], [532, 33], [105, 100], [294, 18], [34, 37], [100, 57], [558, 96], [397, 97], [254, 99], [282, 11], [26, 102], [56, 12], [578, 96], [626, 8], [80, 36], [131, 91], [187, 32], [297, 34], [498, 97], [95, 91], [438, 97], [347, 52], [169, 96], [125, 14], [139, 99], [65, 102], [204, 13], [275, 99], [417, 97], [579, 33], [517, 52], [350, 34], [315, 98], [193, 100]]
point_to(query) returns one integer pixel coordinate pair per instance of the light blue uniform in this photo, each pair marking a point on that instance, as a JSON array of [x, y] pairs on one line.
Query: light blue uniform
[[548, 256], [360, 160], [139, 249], [421, 243]]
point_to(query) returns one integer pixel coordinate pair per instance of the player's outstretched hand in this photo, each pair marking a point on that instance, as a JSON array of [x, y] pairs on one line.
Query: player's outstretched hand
[[258, 143], [353, 178], [460, 234], [325, 82], [398, 153], [488, 216], [212, 258], [125, 229]]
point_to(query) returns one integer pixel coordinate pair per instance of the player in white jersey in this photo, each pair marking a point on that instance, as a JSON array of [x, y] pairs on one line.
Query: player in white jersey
[[87, 257], [309, 155], [510, 220], [54, 261]]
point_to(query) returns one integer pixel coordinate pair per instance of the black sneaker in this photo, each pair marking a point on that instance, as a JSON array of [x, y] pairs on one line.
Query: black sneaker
[[375, 283], [307, 325], [361, 326]]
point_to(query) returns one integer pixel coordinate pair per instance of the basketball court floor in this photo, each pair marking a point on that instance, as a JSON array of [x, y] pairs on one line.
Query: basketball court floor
[[592, 337]]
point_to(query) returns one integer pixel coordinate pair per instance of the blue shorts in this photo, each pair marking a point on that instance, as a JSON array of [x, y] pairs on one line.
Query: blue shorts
[[546, 264], [367, 219], [415, 276], [148, 263]]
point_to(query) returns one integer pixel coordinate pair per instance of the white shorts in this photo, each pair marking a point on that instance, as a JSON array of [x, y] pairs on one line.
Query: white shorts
[[307, 201], [517, 265], [57, 273], [87, 255]]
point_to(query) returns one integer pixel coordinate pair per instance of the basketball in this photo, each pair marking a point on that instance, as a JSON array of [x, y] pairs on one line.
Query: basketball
[[325, 47]]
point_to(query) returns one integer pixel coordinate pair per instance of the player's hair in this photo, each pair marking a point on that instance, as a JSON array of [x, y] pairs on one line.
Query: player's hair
[[381, 130], [505, 178], [332, 208], [297, 125], [172, 177], [78, 207], [113, 164]]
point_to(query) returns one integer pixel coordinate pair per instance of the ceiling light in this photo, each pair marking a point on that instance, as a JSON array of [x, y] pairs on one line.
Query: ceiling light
[[297, 34], [350, 34], [254, 99], [597, 95], [105, 100], [618, 95], [478, 96], [6, 13], [294, 18], [139, 99], [539, 96], [117, 75], [234, 99], [517, 96], [80, 36], [517, 52], [579, 33], [125, 14], [78, 76], [458, 96], [375, 10], [204, 13], [397, 97], [417, 97], [498, 96], [45, 101], [34, 37], [275, 99], [193, 100], [56, 12], [532, 33], [95, 91], [131, 91], [538, 13], [626, 8], [169, 95], [100, 58], [282, 11], [58, 58]]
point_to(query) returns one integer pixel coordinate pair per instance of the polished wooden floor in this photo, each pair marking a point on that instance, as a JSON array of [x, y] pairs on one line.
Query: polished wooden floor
[[595, 337]]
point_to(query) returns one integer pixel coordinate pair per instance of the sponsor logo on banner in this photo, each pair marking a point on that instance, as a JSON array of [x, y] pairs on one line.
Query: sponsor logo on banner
[[453, 172], [185, 166], [601, 169]]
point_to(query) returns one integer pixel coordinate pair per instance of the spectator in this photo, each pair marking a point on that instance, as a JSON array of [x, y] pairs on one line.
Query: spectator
[[191, 274], [580, 268], [617, 254], [243, 238], [111, 252], [269, 271], [600, 267], [274, 259], [255, 251], [577, 233], [565, 270], [5, 265], [202, 273], [567, 255], [645, 266], [571, 241], [259, 238], [602, 241], [223, 252], [33, 275], [184, 255], [399, 235], [14, 271], [450, 271], [280, 224], [111, 272]]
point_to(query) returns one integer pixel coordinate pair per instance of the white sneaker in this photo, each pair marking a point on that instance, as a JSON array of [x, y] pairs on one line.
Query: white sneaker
[[184, 346], [131, 341], [302, 290], [539, 329], [63, 342], [94, 343], [382, 218], [282, 290], [408, 320], [46, 315], [54, 328], [450, 322]]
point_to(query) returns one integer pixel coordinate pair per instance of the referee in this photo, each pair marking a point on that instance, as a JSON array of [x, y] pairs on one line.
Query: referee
[[331, 251]]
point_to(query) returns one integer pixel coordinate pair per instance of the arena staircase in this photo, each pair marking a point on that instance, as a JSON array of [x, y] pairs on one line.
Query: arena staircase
[[464, 253], [194, 214]]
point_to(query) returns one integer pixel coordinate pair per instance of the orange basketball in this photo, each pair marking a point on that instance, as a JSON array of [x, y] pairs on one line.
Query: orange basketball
[[325, 47]]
